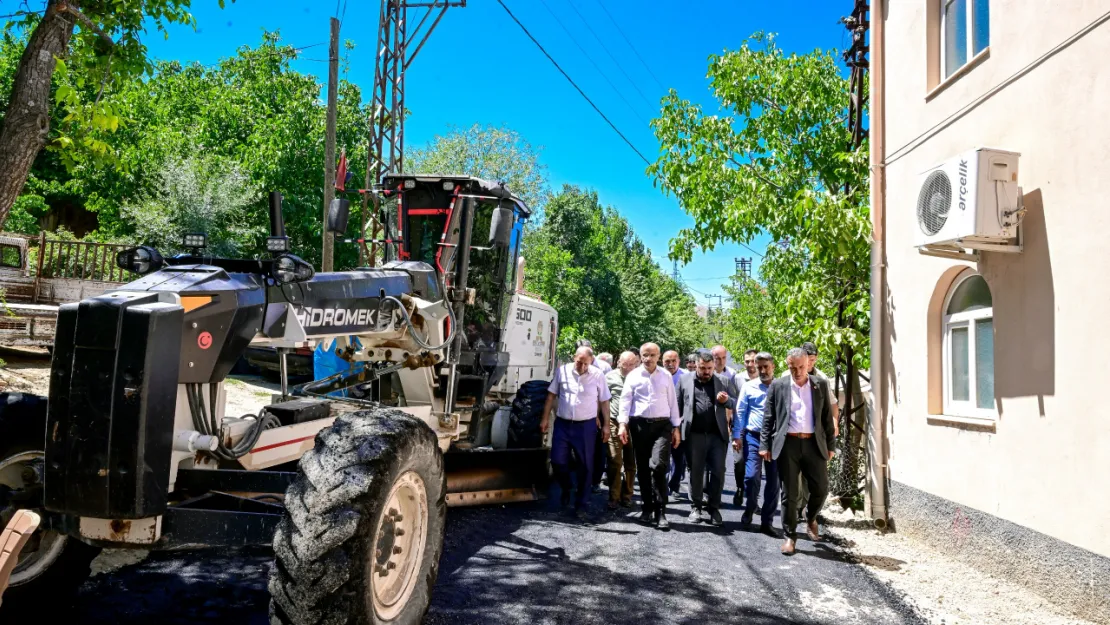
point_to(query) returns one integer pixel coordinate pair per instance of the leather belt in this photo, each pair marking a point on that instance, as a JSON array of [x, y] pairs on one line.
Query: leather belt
[[800, 434]]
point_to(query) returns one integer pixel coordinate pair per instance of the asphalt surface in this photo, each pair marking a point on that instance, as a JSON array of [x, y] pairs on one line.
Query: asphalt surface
[[532, 564]]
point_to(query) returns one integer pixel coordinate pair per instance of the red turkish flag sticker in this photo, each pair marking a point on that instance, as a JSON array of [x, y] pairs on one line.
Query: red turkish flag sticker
[[204, 341]]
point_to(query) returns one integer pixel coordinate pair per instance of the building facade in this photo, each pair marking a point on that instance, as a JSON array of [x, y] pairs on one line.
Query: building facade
[[997, 440]]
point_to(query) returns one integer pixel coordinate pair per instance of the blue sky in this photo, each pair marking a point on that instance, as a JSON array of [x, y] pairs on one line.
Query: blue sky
[[507, 81]]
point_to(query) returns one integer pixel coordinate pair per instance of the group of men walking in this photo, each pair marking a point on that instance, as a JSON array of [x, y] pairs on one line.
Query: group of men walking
[[655, 420]]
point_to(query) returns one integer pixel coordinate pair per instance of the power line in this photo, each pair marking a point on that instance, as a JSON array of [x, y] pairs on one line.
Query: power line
[[644, 63], [574, 84], [613, 58], [592, 62]]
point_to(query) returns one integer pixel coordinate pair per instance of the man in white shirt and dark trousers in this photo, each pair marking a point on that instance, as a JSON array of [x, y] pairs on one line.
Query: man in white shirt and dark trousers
[[797, 433], [580, 393], [649, 413]]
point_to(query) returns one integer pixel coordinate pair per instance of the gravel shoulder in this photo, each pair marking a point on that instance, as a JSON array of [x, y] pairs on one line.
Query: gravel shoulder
[[942, 590]]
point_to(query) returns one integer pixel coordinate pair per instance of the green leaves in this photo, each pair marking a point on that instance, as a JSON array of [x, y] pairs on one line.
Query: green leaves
[[776, 161], [586, 261]]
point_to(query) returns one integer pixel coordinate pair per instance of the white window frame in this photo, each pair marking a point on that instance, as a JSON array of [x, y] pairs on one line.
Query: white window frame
[[968, 409], [969, 45]]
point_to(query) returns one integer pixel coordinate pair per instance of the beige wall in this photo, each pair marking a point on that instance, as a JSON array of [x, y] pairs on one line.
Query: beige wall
[[1046, 462]]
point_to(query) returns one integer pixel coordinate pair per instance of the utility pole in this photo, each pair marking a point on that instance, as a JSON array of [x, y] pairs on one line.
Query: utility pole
[[386, 143], [674, 273], [327, 261], [744, 266]]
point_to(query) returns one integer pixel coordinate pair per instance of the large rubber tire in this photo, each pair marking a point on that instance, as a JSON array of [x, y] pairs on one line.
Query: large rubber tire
[[338, 517], [527, 412], [23, 433]]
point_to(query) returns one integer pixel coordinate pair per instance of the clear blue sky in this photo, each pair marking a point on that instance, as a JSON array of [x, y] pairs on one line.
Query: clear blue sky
[[507, 81]]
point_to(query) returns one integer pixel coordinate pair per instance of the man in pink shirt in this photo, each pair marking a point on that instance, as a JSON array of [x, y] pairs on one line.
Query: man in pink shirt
[[578, 393], [649, 413]]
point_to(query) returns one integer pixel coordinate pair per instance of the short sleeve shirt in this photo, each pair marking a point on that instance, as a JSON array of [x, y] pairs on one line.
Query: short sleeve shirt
[[579, 395]]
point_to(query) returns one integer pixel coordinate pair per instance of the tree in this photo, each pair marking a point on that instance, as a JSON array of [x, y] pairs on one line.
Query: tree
[[104, 39], [779, 162], [498, 154], [251, 110], [201, 193], [585, 260]]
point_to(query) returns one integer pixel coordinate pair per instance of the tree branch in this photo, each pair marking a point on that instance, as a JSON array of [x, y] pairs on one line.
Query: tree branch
[[65, 7], [755, 172]]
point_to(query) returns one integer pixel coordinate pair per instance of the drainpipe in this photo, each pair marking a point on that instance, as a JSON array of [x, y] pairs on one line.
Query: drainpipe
[[876, 429]]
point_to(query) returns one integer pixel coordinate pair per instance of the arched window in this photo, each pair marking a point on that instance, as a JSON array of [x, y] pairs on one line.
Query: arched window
[[969, 348]]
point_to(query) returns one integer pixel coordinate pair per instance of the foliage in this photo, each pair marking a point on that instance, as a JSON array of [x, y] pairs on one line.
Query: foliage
[[497, 154], [585, 261], [106, 50], [25, 213], [251, 110], [778, 162], [199, 194]]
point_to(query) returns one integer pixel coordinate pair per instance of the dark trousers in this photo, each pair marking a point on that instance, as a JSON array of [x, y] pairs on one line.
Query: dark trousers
[[754, 470], [739, 470], [707, 451], [600, 454], [581, 436], [651, 442], [678, 467], [801, 457]]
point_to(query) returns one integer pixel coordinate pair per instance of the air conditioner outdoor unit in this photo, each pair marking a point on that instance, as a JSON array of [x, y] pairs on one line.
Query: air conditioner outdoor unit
[[970, 200]]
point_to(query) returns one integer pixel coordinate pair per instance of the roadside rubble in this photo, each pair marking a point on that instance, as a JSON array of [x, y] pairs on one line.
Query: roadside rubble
[[942, 590]]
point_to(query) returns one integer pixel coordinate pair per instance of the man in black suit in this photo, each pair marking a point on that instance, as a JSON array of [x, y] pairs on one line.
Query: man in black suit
[[703, 403], [798, 434]]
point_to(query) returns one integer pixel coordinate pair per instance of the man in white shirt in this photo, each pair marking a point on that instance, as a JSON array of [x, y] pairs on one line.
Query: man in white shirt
[[797, 433], [578, 393], [649, 414]]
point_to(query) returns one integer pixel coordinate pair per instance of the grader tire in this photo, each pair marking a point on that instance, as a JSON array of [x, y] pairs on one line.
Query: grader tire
[[363, 528], [52, 566]]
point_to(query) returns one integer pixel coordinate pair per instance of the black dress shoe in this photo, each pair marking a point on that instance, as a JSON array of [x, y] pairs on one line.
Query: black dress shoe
[[646, 516], [768, 530], [564, 500], [695, 515], [662, 523], [715, 518]]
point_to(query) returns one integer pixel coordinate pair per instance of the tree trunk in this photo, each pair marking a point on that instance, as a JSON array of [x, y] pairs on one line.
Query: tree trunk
[[27, 121]]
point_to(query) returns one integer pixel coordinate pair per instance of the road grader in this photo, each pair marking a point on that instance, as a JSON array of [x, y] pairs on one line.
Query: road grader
[[132, 447]]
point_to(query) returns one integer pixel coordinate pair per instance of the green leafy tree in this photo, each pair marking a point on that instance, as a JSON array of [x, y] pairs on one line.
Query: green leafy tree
[[251, 110], [84, 48], [585, 260], [779, 161], [199, 194], [497, 154]]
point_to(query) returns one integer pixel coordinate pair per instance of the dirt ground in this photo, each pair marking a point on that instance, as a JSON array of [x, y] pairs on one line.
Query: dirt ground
[[942, 590]]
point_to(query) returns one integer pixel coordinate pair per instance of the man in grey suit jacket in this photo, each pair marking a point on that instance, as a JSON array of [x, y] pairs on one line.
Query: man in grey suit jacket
[[703, 402], [798, 434]]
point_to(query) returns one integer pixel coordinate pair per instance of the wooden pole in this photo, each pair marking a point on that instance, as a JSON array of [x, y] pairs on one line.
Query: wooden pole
[[327, 262]]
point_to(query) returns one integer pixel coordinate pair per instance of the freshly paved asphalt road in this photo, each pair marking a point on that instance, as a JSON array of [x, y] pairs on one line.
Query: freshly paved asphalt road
[[529, 564]]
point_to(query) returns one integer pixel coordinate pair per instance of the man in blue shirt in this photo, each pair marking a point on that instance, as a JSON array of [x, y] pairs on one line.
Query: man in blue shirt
[[746, 429]]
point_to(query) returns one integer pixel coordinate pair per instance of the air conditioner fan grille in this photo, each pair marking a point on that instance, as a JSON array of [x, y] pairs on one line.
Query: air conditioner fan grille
[[934, 202]]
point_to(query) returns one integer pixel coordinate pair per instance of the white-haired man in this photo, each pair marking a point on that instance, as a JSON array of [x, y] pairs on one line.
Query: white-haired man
[[797, 432], [649, 416], [622, 458]]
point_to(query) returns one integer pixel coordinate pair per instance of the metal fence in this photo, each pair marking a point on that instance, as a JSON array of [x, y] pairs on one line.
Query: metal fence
[[79, 260]]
